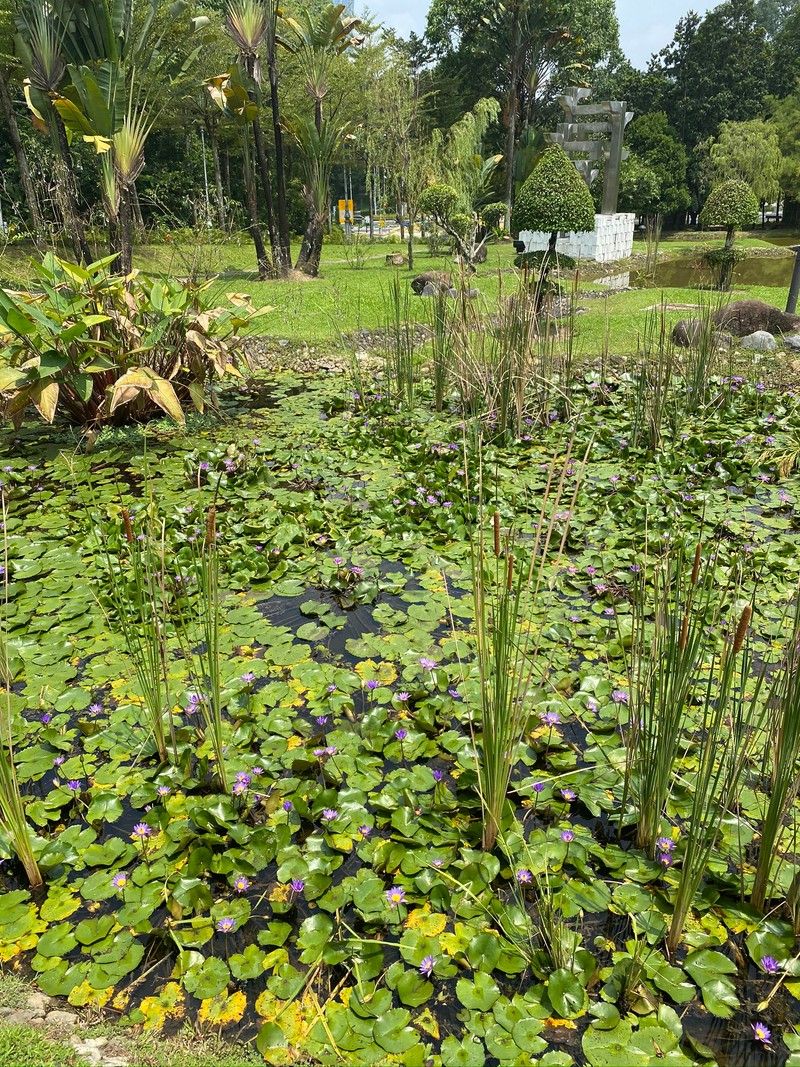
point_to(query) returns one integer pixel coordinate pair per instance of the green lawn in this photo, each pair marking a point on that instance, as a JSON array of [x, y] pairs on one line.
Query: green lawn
[[346, 298]]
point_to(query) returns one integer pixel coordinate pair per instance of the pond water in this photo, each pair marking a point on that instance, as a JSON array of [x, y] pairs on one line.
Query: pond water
[[688, 273]]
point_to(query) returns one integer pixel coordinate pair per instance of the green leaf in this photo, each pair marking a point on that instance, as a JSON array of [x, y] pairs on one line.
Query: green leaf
[[566, 993], [478, 995]]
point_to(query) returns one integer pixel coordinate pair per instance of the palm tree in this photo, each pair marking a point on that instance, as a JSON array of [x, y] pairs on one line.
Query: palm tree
[[317, 40], [252, 27], [39, 40], [318, 151]]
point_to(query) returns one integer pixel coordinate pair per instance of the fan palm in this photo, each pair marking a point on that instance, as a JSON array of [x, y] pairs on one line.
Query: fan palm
[[318, 151]]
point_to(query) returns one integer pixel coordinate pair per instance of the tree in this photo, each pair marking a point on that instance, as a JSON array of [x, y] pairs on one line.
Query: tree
[[9, 69], [553, 198], [731, 206], [656, 145], [749, 151], [319, 146], [785, 121], [639, 187]]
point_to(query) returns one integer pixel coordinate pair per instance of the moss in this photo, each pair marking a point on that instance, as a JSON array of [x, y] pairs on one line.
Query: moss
[[731, 205], [554, 197]]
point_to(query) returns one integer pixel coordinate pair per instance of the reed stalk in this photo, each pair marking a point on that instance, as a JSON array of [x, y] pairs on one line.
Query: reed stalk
[[399, 344]]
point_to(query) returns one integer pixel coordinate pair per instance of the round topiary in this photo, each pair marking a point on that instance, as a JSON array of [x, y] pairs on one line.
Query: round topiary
[[461, 223], [731, 205], [554, 197], [492, 214], [439, 201]]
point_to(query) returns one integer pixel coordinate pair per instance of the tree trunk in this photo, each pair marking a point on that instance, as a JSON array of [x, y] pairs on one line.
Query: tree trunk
[[22, 160], [402, 222], [68, 194], [264, 265], [266, 185], [137, 208], [410, 244], [510, 136], [125, 237], [280, 166], [214, 142], [313, 235], [305, 244]]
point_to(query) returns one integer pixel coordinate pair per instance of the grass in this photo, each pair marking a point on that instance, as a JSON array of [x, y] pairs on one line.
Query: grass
[[345, 300], [13, 991], [25, 1045]]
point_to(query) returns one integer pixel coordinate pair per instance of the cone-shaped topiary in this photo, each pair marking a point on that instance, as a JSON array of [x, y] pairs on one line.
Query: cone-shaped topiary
[[731, 205], [554, 197]]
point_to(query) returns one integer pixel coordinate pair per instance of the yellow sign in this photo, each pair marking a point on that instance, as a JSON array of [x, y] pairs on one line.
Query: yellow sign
[[345, 206]]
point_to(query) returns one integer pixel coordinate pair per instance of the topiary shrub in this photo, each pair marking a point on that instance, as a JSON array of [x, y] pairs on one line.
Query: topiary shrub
[[439, 201], [461, 223], [554, 197], [492, 214], [733, 206]]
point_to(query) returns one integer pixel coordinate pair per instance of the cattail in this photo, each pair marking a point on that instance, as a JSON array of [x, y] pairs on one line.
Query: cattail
[[696, 568], [211, 526], [509, 573], [741, 630], [496, 519], [684, 632], [126, 519]]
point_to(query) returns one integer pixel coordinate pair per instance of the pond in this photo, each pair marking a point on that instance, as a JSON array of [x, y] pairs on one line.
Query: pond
[[687, 273], [338, 902]]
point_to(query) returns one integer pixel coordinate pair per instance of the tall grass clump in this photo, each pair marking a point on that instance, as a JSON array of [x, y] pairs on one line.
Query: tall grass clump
[[400, 343], [199, 636], [665, 658], [727, 729], [443, 323], [652, 395], [700, 361], [509, 580], [12, 811], [781, 756]]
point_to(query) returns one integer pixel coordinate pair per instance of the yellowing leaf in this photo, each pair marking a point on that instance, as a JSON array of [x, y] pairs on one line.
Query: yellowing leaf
[[425, 1021], [83, 995], [427, 922], [369, 670], [223, 1009], [169, 1005], [564, 1024]]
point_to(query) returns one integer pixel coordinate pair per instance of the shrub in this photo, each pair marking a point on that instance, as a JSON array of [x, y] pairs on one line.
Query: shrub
[[731, 205], [493, 214], [438, 201], [460, 222], [554, 197], [103, 350]]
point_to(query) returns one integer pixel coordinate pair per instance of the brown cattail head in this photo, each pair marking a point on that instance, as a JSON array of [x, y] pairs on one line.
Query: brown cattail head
[[741, 629], [510, 573], [126, 520], [698, 552], [496, 521], [684, 632], [211, 526]]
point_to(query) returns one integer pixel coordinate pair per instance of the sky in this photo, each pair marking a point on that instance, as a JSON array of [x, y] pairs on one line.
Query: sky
[[644, 27]]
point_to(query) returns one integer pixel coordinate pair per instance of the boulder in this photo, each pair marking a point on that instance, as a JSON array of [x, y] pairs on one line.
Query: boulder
[[792, 342], [429, 289], [439, 279], [759, 341], [688, 333], [395, 259], [745, 317]]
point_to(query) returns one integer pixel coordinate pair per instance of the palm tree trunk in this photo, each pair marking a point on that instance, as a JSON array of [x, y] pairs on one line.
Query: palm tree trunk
[[22, 160], [264, 265], [511, 124], [125, 235], [214, 142], [68, 193], [137, 209], [313, 234], [280, 166], [266, 185]]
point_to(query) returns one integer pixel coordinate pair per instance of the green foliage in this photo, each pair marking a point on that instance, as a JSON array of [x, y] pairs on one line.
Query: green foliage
[[730, 205], [639, 186], [100, 350], [654, 143], [438, 201], [554, 197], [749, 152]]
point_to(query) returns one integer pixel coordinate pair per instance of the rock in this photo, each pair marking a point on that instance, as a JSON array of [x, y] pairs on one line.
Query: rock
[[792, 342], [687, 332], [759, 341], [473, 293], [439, 279], [38, 1002], [452, 292], [24, 1017], [395, 259], [429, 289], [63, 1020], [745, 317]]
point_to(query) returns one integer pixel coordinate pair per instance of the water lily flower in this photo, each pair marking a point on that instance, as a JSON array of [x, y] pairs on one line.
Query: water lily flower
[[396, 895], [257, 772], [74, 784], [427, 965], [665, 844], [569, 794], [524, 876], [95, 709], [438, 775], [770, 964], [59, 760], [665, 858], [242, 776], [141, 831], [403, 696], [550, 718], [163, 790], [761, 1033], [239, 788], [538, 787], [330, 814], [454, 693], [119, 881], [568, 835], [372, 684], [438, 863], [241, 884], [287, 805], [619, 696], [428, 664], [46, 718], [401, 734], [365, 831], [248, 677], [297, 885], [226, 925], [322, 719], [332, 688]]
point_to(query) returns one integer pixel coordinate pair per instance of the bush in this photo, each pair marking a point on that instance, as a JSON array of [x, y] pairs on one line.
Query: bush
[[100, 350], [731, 205], [460, 223], [492, 214], [438, 201], [554, 197]]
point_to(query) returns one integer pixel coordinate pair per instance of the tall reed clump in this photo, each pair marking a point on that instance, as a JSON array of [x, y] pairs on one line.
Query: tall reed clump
[[654, 406], [443, 323], [508, 580], [199, 636], [663, 665], [400, 343], [12, 810], [781, 755], [700, 360], [138, 590], [726, 732]]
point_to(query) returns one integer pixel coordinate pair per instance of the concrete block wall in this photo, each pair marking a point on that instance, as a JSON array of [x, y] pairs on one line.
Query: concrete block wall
[[611, 240]]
